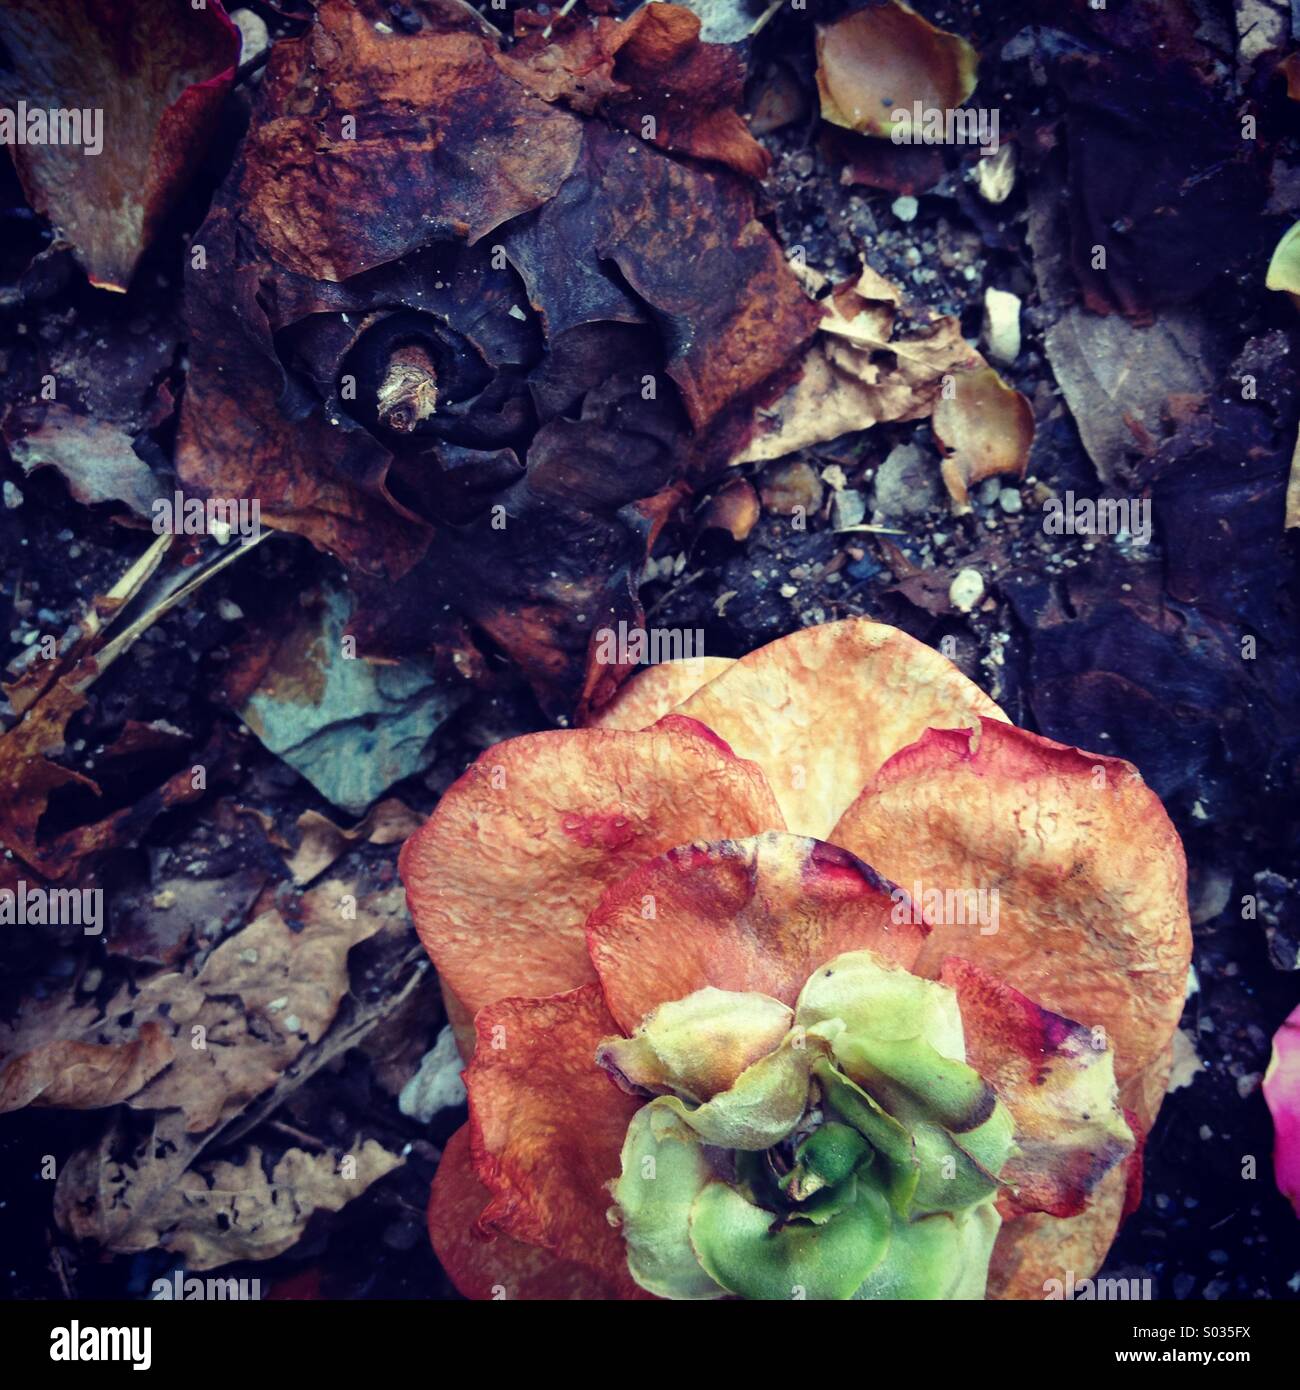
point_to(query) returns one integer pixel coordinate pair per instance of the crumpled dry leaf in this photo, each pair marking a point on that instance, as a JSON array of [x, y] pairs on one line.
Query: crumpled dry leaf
[[844, 385], [108, 1193], [94, 458], [224, 1211], [49, 692], [581, 310], [157, 74], [389, 822], [884, 58], [47, 1058], [651, 65], [204, 1041], [986, 427]]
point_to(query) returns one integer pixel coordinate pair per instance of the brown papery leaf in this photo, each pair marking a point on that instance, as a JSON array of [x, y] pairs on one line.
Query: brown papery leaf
[[204, 1041], [223, 1211], [856, 374], [155, 74]]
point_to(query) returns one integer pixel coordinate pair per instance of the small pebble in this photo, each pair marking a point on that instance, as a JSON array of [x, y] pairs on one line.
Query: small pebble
[[1009, 500], [966, 590], [904, 208], [13, 496]]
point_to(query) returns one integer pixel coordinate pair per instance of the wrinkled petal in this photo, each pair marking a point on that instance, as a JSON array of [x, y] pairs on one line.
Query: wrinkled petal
[[699, 1045], [652, 693], [496, 1267], [502, 876], [547, 1126], [881, 59], [1035, 1249], [821, 710], [754, 916], [1058, 1085], [1092, 907], [1282, 1092]]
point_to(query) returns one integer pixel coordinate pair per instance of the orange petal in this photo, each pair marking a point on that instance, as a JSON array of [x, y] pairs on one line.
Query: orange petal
[[753, 916], [1092, 906], [495, 1267], [651, 693], [1059, 1087], [1033, 1250], [547, 1127], [501, 877], [822, 709]]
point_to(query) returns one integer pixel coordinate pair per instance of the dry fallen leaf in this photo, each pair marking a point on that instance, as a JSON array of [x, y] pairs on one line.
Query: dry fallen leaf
[[204, 1040], [856, 374], [883, 59], [157, 75], [388, 823], [224, 1211]]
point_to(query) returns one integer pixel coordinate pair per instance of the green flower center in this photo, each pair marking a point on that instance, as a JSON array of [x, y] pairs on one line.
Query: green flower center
[[843, 1149]]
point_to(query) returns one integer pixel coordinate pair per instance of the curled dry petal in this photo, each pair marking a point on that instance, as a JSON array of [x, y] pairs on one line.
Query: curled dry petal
[[502, 876], [883, 59], [657, 690], [547, 1126], [1282, 1092], [821, 710], [1092, 900], [986, 427], [757, 915]]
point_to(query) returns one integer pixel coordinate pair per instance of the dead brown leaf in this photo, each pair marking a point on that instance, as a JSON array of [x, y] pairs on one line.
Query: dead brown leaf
[[225, 1211], [389, 822]]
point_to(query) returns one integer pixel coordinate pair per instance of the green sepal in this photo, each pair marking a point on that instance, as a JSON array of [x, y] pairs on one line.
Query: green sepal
[[936, 1257], [766, 1102], [744, 1251], [698, 1046], [664, 1169], [893, 1145], [875, 999]]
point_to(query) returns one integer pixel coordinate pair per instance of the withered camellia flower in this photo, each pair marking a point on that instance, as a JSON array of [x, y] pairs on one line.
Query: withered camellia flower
[[714, 1051], [466, 315]]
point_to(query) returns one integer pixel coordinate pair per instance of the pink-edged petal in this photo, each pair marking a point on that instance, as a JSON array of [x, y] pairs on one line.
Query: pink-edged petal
[[750, 916], [501, 877]]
